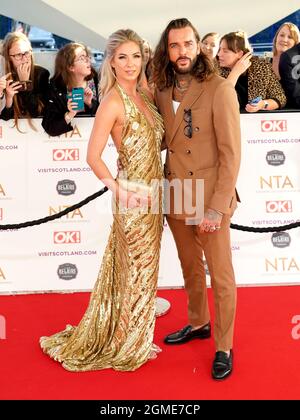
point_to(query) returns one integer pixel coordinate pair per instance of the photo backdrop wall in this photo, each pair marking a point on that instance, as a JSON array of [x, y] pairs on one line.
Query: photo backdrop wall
[[42, 175]]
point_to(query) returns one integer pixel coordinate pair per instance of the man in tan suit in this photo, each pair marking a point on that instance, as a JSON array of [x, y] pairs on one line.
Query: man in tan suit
[[202, 123]]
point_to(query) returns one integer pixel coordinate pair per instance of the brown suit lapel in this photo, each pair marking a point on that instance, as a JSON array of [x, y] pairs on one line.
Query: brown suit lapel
[[193, 93]]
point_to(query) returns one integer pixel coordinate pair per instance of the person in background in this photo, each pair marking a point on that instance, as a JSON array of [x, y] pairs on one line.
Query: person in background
[[147, 65], [210, 44], [289, 69], [27, 83], [148, 56], [2, 90], [72, 70], [255, 82], [2, 81], [285, 38]]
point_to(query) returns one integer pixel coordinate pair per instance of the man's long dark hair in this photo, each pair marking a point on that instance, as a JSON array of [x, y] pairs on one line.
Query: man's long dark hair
[[163, 73]]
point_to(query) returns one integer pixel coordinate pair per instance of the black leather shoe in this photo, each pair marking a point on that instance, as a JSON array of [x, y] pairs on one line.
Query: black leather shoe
[[187, 334], [222, 365]]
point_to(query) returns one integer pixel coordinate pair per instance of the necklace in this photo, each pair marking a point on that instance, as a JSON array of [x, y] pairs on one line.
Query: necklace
[[180, 88]]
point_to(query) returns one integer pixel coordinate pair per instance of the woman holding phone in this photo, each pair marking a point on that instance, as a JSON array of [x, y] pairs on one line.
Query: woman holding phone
[[26, 83], [73, 89]]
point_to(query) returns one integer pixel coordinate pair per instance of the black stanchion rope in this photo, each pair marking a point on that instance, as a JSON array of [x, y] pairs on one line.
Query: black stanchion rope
[[101, 192], [265, 229], [55, 216]]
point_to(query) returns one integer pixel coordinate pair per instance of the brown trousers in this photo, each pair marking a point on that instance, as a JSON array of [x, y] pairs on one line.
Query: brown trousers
[[217, 250]]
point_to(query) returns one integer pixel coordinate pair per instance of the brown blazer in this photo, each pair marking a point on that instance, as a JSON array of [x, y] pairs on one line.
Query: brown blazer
[[213, 152]]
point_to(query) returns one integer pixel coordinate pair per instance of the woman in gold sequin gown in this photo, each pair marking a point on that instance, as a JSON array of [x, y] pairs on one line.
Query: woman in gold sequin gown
[[117, 328]]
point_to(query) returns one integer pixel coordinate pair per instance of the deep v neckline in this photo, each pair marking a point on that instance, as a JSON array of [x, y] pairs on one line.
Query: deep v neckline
[[145, 100]]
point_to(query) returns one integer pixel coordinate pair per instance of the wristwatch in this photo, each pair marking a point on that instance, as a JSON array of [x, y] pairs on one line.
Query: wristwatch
[[266, 104]]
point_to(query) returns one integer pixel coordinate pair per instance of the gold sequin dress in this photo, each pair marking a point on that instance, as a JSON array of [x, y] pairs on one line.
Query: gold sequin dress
[[117, 328]]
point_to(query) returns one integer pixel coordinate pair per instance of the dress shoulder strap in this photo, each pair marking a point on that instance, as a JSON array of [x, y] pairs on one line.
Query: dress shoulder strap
[[126, 101]]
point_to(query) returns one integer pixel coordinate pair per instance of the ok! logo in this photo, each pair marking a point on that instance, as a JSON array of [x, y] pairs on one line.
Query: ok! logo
[[279, 206], [70, 237], [65, 154], [273, 125]]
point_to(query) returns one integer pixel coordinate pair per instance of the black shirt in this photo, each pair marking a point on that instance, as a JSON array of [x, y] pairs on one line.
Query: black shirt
[[241, 88]]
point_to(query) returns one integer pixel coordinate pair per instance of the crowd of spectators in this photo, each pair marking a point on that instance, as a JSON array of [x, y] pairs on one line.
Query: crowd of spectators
[[26, 90]]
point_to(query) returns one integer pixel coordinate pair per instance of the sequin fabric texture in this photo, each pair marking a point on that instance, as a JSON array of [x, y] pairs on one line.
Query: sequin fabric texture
[[117, 328]]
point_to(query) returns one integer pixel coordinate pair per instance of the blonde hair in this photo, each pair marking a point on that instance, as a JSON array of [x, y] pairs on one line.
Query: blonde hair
[[294, 32], [108, 77]]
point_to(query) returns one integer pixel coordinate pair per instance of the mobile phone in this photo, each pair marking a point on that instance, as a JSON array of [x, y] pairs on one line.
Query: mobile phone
[[78, 97], [255, 100], [26, 85]]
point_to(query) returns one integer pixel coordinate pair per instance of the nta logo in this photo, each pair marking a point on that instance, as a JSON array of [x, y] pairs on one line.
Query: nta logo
[[2, 276], [70, 237], [273, 125], [65, 154], [279, 206], [70, 215], [275, 157], [282, 264], [67, 271], [66, 187], [276, 182], [281, 239], [2, 192]]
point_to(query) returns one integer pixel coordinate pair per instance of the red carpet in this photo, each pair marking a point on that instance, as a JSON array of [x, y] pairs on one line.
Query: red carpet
[[266, 362]]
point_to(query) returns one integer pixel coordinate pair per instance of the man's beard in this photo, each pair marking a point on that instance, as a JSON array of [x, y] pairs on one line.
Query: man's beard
[[185, 70]]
